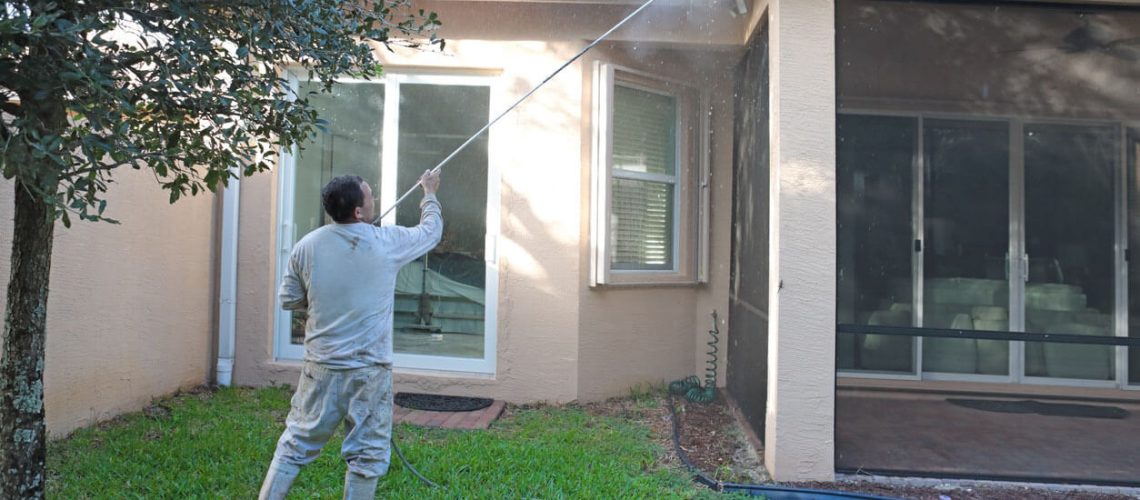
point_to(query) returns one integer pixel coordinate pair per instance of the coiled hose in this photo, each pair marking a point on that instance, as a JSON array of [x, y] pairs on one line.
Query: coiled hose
[[690, 386]]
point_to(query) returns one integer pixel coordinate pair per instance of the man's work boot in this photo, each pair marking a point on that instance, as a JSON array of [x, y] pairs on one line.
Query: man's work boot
[[357, 487], [278, 481]]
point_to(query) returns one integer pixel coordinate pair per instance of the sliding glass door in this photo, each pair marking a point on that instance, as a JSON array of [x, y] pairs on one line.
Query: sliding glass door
[[1069, 265], [965, 243], [1131, 225], [388, 132], [991, 224], [876, 266], [350, 145]]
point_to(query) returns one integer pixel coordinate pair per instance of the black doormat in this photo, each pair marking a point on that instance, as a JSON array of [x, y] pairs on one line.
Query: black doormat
[[432, 402], [1049, 409]]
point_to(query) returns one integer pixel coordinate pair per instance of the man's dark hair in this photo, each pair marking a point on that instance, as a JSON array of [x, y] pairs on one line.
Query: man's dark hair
[[341, 196]]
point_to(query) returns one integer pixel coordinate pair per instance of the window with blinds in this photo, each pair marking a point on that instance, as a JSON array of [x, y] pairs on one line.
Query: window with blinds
[[649, 180], [644, 179]]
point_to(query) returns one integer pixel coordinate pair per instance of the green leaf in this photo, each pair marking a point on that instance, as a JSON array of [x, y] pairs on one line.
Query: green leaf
[[141, 105]]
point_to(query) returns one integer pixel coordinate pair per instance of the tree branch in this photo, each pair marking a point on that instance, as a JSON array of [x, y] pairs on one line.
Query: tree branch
[[11, 108], [87, 170]]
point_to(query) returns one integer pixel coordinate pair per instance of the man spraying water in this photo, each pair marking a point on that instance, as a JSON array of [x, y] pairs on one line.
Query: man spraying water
[[344, 276]]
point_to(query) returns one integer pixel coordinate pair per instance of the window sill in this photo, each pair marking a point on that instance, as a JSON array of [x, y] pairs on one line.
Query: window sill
[[619, 279]]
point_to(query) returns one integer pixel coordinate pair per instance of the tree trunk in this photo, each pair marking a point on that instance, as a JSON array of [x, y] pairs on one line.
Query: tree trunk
[[22, 433]]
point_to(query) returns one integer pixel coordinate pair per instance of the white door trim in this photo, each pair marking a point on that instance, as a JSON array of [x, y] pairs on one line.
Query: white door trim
[[283, 349]]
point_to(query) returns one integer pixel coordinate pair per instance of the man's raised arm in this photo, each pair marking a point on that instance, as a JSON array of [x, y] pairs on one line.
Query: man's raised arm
[[418, 240]]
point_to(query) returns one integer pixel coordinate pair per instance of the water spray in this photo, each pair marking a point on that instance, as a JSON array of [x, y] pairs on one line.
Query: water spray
[[486, 127]]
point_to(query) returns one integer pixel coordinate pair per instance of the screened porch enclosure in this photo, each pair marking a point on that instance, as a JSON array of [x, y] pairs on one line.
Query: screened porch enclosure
[[929, 205], [987, 181], [988, 201]]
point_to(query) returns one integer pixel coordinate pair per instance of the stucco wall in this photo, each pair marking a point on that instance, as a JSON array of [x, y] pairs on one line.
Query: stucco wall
[[130, 312], [714, 294], [799, 424], [637, 335], [1026, 61], [665, 21], [557, 339], [537, 248]]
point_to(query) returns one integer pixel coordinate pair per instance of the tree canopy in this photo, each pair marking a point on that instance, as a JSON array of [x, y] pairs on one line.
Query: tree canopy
[[192, 91], [187, 88]]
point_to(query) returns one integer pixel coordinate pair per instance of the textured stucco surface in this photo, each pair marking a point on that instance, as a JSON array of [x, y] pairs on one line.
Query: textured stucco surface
[[538, 246], [130, 311], [799, 432], [557, 339], [638, 335], [714, 294], [666, 21]]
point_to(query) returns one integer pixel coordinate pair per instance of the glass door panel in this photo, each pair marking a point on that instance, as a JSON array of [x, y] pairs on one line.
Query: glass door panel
[[1133, 218], [875, 185], [350, 144], [966, 238], [441, 298], [1070, 173]]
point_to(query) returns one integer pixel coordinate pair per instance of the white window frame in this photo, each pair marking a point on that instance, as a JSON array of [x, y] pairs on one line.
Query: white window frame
[[283, 348], [690, 184]]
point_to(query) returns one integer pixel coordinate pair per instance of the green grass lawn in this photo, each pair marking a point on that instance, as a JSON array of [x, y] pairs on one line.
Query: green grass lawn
[[217, 445]]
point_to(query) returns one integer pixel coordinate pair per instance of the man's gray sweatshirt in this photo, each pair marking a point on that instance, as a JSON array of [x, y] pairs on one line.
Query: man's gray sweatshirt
[[344, 276]]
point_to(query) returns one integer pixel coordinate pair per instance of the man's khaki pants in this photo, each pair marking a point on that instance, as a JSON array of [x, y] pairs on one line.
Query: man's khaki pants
[[362, 399]]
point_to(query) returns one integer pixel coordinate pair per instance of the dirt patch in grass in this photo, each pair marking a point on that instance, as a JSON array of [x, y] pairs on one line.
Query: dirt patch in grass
[[710, 436], [715, 443]]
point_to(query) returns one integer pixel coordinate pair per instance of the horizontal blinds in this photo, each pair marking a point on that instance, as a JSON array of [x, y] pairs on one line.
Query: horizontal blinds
[[645, 132], [642, 225], [644, 142]]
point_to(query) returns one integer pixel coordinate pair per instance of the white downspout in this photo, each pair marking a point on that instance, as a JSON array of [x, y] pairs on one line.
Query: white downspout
[[227, 307]]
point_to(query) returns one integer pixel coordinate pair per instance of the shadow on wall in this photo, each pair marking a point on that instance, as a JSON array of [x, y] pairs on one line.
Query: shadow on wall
[[997, 59]]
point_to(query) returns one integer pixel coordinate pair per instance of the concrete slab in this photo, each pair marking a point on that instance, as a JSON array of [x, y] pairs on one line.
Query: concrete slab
[[478, 419]]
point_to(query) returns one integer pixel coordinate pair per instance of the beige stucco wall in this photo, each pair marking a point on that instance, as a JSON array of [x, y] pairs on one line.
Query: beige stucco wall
[[799, 426], [557, 339], [701, 23], [973, 60], [639, 335], [130, 311], [537, 350], [715, 294]]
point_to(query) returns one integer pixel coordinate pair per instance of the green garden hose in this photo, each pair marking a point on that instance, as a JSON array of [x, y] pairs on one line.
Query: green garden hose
[[690, 386]]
